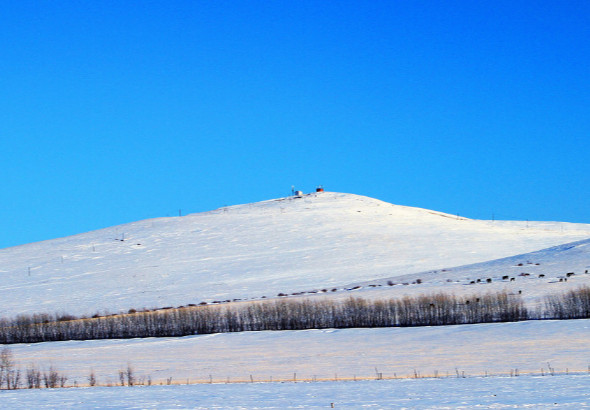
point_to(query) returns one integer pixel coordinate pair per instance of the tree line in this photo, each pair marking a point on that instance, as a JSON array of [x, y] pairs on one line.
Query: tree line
[[433, 310], [574, 304], [283, 314]]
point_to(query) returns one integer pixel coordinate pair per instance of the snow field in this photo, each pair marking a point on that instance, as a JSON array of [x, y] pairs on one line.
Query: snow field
[[567, 392], [492, 349]]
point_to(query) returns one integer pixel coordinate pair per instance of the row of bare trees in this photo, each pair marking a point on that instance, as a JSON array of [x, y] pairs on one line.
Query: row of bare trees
[[11, 376], [574, 304], [433, 310]]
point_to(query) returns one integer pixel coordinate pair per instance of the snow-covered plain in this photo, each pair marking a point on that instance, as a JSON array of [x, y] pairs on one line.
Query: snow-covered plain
[[491, 348], [320, 241], [566, 392]]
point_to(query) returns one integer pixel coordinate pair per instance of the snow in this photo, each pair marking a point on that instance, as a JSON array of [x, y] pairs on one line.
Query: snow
[[325, 240], [492, 348], [533, 275], [568, 392]]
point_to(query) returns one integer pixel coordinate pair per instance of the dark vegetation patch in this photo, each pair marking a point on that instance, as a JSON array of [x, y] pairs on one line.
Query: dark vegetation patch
[[431, 310]]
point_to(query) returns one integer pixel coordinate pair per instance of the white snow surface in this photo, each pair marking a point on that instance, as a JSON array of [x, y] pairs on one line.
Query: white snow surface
[[533, 276], [473, 350], [524, 392], [319, 241]]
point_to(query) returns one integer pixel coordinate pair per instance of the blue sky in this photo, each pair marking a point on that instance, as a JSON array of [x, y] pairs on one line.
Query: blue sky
[[117, 111]]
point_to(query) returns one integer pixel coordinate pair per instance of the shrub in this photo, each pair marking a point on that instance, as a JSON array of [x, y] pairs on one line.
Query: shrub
[[92, 379]]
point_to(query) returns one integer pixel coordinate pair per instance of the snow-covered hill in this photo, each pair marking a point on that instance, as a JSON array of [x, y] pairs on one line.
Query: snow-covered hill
[[324, 240]]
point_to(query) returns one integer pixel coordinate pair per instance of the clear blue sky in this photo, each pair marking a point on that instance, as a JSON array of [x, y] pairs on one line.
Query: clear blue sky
[[117, 111]]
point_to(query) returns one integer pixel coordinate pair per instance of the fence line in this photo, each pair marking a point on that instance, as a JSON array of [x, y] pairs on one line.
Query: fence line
[[254, 379]]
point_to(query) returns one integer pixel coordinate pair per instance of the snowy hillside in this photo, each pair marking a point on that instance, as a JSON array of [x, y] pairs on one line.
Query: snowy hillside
[[532, 275], [285, 245]]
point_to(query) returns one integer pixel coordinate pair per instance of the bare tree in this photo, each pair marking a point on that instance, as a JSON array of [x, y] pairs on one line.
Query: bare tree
[[51, 378], [9, 375], [130, 375], [33, 376], [92, 378]]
